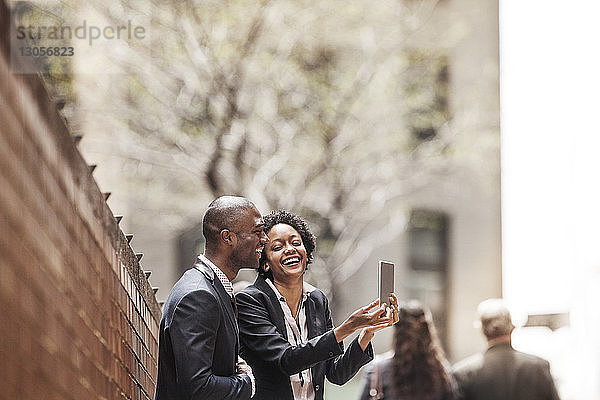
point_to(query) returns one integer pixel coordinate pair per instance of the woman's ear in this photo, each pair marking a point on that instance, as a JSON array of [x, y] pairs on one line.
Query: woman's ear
[[265, 267]]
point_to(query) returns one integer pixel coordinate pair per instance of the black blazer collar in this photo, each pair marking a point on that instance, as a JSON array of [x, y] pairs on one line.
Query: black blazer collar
[[311, 318], [277, 313], [275, 309], [206, 270], [223, 295]]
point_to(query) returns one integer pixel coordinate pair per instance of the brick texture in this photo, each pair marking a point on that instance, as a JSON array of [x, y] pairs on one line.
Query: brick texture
[[78, 318]]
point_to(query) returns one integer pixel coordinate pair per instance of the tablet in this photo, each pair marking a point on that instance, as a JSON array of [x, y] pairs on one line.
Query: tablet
[[385, 274]]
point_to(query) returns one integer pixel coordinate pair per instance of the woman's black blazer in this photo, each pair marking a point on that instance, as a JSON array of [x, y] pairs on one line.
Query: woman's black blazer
[[264, 344]]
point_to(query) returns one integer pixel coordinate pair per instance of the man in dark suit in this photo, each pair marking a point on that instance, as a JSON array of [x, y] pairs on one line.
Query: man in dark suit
[[199, 338], [502, 373]]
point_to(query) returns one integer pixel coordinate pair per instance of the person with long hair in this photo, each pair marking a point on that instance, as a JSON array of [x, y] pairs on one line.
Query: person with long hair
[[417, 368], [286, 330]]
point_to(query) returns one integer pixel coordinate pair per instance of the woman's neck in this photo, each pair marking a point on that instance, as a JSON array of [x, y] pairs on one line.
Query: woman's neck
[[292, 291]]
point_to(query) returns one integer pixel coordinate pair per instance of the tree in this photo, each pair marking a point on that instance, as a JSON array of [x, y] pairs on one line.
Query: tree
[[296, 105]]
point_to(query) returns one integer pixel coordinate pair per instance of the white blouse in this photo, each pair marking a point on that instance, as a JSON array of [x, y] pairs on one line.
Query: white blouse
[[297, 333]]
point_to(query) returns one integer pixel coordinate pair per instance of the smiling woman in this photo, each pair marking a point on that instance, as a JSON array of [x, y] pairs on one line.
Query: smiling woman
[[297, 230], [286, 258], [286, 331]]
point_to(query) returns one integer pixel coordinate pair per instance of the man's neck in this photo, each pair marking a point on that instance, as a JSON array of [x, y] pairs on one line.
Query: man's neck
[[505, 339], [223, 264]]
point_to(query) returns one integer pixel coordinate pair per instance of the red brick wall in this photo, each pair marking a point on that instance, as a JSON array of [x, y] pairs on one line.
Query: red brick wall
[[78, 319]]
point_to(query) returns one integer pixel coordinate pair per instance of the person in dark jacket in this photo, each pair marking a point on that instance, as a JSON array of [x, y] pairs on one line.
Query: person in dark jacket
[[286, 331], [502, 372], [416, 369], [198, 342]]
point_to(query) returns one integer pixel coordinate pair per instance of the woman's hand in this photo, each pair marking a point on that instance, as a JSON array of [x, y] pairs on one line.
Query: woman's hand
[[369, 332], [392, 313], [367, 316]]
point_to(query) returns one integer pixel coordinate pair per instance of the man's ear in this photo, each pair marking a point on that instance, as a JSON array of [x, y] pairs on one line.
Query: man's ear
[[227, 237]]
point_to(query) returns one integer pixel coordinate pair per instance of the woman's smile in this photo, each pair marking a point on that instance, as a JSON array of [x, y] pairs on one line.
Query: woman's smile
[[288, 262]]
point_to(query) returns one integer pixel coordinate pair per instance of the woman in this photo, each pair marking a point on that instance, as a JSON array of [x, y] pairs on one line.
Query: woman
[[417, 369], [286, 332]]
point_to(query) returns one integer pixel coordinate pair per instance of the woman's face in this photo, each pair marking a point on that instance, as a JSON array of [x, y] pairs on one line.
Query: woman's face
[[285, 252]]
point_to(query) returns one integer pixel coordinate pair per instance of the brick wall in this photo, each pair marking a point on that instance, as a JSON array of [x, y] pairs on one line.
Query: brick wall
[[78, 318]]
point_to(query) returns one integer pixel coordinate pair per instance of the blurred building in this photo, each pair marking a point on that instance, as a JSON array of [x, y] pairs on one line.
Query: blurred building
[[450, 254]]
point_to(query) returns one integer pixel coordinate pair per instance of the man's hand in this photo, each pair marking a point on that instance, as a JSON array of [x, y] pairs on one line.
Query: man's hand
[[242, 367]]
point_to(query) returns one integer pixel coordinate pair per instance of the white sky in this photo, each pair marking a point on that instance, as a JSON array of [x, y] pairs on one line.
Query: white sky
[[550, 88]]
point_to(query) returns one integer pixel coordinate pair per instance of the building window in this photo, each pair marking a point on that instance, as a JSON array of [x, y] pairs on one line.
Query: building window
[[428, 262], [428, 231]]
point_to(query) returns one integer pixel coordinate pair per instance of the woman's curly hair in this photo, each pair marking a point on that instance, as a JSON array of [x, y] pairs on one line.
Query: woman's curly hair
[[418, 361], [301, 226]]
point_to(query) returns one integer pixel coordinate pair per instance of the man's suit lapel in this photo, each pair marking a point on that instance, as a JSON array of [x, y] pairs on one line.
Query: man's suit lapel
[[278, 317], [223, 296]]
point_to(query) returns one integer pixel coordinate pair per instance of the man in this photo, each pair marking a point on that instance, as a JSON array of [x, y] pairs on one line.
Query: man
[[502, 373], [199, 338]]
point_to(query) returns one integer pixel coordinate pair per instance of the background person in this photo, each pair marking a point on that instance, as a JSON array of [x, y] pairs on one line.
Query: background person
[[502, 372], [286, 330], [198, 339], [416, 369]]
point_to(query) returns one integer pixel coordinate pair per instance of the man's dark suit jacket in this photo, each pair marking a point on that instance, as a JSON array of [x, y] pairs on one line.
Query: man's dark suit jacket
[[273, 359], [199, 342], [502, 373]]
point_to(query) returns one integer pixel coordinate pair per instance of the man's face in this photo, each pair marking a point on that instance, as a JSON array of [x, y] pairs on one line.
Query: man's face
[[251, 240]]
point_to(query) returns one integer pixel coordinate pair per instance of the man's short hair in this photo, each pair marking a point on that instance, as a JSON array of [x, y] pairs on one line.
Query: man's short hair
[[224, 212], [495, 318]]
